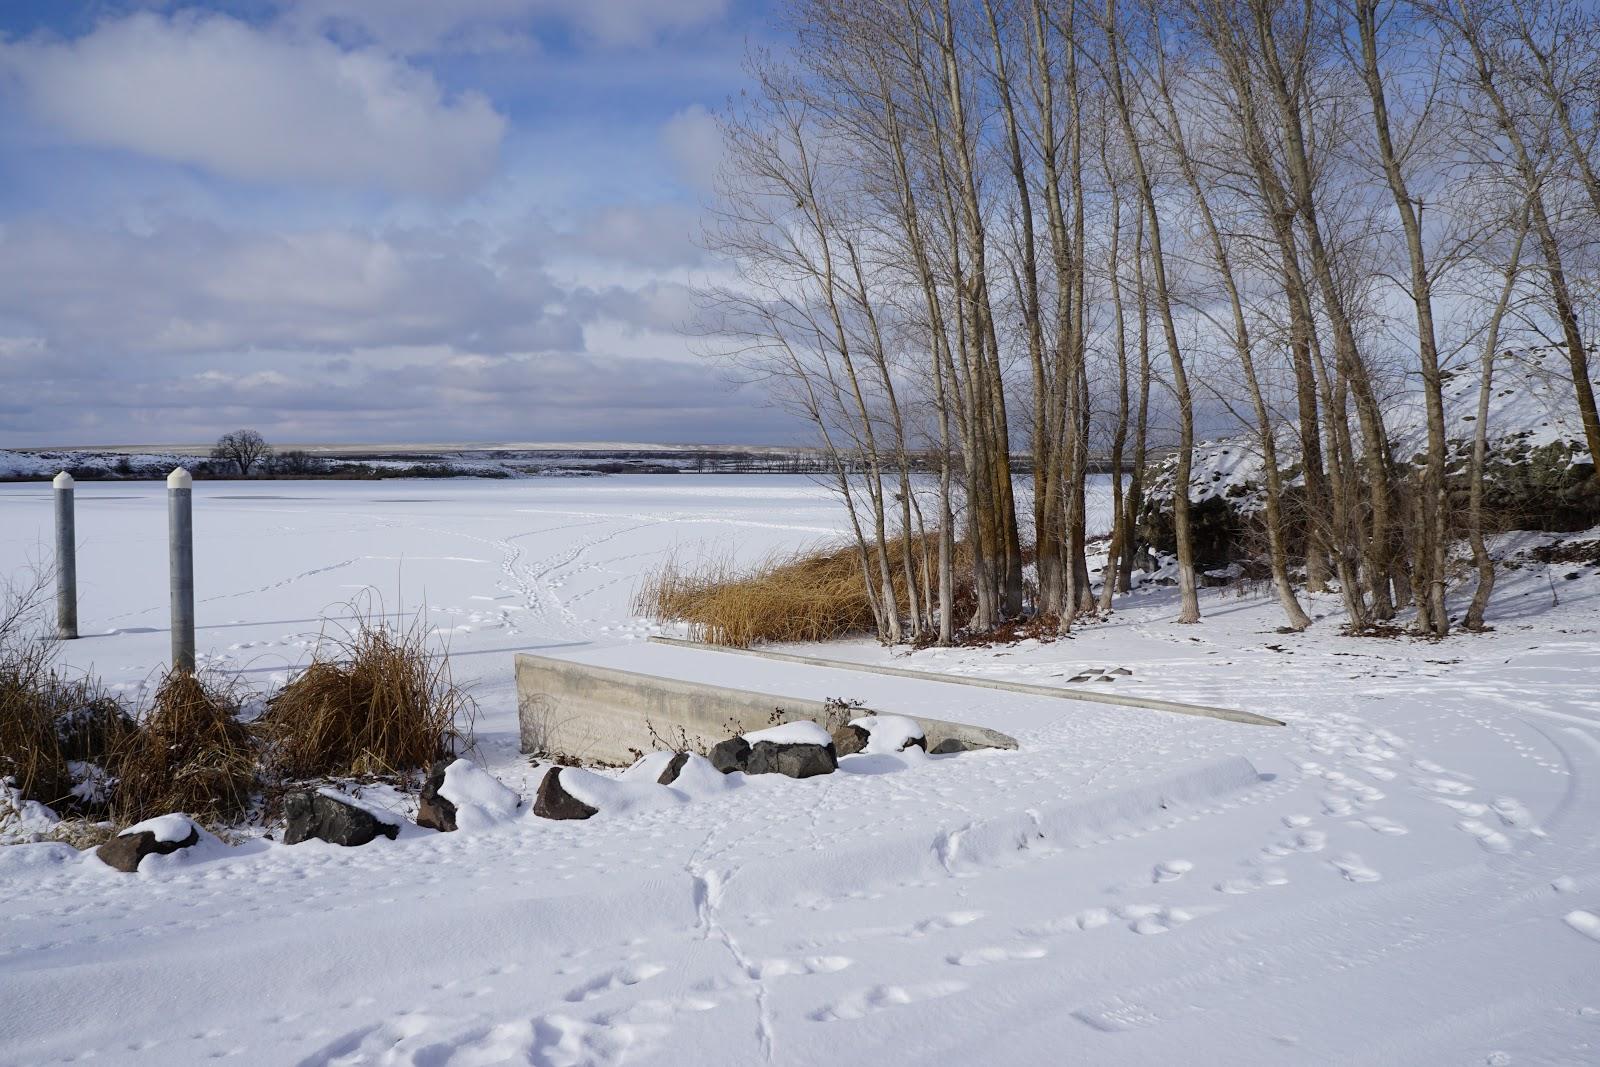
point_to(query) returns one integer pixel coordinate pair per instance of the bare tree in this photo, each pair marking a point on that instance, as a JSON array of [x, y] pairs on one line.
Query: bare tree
[[242, 448]]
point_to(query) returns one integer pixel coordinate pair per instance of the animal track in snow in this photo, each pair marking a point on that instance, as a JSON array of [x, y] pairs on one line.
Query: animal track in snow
[[1381, 825]]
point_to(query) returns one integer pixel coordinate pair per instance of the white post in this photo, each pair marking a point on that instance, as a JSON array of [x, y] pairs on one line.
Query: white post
[[66, 559], [180, 530]]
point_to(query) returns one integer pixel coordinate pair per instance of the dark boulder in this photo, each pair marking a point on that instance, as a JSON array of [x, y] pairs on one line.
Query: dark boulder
[[849, 739], [434, 811], [126, 850], [670, 773], [730, 755], [554, 802], [313, 814], [796, 761]]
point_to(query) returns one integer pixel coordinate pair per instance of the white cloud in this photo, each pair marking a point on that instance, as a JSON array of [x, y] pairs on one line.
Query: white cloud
[[472, 25], [694, 142], [256, 104]]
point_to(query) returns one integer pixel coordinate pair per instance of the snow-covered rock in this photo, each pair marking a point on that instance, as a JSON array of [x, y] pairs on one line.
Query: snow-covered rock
[[891, 733], [799, 732], [464, 796], [160, 836]]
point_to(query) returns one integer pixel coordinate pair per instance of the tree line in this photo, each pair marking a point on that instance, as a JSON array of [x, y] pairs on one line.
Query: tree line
[[989, 228]]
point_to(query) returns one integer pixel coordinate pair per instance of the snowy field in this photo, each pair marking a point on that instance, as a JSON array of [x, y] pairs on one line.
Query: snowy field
[[1409, 873]]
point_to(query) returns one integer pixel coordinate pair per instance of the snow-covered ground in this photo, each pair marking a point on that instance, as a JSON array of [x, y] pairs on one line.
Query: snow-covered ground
[[1409, 872]]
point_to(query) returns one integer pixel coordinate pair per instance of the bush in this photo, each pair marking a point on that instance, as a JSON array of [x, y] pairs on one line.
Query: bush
[[191, 753], [374, 701], [804, 596]]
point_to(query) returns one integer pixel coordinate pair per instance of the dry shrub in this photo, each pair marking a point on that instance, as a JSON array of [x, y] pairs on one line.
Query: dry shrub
[[47, 717], [190, 754], [374, 701], [815, 595]]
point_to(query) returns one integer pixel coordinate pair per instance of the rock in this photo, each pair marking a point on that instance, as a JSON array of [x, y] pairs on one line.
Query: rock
[[849, 739], [460, 795], [434, 811], [160, 837], [673, 769], [796, 761], [337, 820], [554, 802], [1121, 672], [730, 755], [951, 744]]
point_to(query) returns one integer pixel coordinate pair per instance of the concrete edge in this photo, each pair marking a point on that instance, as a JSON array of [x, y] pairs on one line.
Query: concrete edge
[[595, 712], [1248, 718]]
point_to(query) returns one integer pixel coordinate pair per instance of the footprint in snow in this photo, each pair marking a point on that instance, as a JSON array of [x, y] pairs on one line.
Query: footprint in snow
[[1490, 838], [617, 979], [1354, 868], [810, 965], [1382, 825], [882, 998], [1171, 870], [1271, 876], [1586, 923], [997, 954]]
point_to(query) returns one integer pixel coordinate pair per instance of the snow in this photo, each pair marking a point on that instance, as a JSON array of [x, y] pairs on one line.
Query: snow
[[166, 828], [799, 732], [480, 799], [1408, 872], [889, 733], [369, 804]]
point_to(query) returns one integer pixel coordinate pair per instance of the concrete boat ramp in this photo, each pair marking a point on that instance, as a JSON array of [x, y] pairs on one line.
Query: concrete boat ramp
[[605, 702]]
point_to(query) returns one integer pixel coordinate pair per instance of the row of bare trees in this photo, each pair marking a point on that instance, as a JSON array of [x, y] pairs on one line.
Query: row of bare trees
[[996, 228]]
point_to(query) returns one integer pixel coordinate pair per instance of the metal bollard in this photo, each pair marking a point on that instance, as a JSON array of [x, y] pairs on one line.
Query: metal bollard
[[66, 559], [180, 529]]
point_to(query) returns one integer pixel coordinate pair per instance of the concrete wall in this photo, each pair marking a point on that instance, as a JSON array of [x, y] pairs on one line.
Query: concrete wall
[[603, 715]]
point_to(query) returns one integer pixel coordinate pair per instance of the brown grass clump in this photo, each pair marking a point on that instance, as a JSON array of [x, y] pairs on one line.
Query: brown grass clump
[[374, 701], [48, 718], [190, 754], [804, 596]]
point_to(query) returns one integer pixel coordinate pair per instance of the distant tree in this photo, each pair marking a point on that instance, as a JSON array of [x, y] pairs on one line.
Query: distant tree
[[242, 448], [298, 461]]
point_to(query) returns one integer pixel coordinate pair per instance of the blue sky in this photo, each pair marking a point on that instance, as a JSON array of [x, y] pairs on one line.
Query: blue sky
[[363, 220]]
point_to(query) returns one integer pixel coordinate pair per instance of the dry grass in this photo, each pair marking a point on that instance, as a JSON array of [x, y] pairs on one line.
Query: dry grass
[[190, 754], [374, 701], [815, 595], [47, 717]]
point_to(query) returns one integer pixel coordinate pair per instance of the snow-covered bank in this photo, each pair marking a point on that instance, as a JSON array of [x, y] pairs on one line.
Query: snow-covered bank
[[1392, 878]]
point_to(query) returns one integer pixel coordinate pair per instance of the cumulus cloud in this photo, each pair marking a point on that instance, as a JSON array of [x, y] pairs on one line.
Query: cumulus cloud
[[256, 104], [342, 334]]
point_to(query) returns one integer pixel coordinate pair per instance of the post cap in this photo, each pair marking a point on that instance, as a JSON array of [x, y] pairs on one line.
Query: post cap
[[63, 481], [179, 479]]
